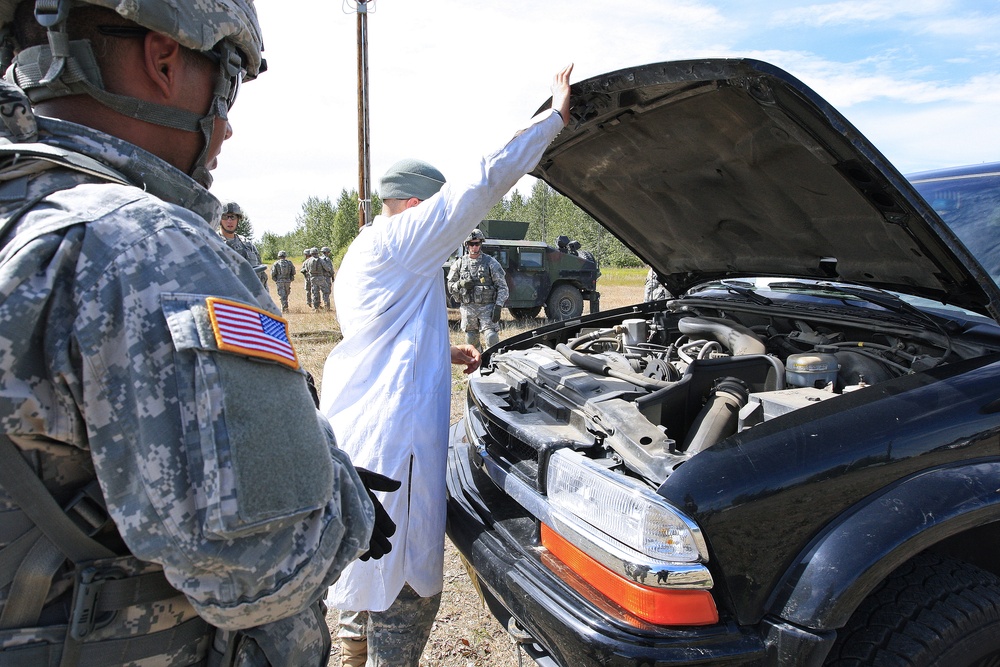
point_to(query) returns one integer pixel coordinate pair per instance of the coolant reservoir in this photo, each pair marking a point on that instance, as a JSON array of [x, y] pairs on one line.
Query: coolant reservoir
[[811, 369]]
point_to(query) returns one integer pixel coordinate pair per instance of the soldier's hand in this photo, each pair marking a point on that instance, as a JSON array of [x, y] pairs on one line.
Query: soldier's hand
[[384, 528], [468, 283], [497, 310]]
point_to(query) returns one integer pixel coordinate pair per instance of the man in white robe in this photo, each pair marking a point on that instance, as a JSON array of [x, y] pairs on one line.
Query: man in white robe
[[387, 384]]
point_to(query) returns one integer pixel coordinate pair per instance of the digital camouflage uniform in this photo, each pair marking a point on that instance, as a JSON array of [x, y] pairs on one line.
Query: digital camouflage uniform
[[283, 273], [653, 290], [387, 641], [488, 289], [244, 248], [249, 252], [306, 277], [321, 275], [110, 368]]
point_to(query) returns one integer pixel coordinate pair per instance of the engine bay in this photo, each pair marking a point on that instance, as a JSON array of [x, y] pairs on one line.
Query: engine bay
[[648, 390]]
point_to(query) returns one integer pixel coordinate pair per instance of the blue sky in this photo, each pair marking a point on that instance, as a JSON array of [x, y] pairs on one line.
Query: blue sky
[[450, 79]]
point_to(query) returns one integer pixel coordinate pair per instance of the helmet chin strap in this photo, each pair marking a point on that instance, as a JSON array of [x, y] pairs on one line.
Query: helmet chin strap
[[199, 171]]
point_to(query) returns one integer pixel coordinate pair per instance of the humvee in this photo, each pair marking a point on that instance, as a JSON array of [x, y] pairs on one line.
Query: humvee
[[537, 274]]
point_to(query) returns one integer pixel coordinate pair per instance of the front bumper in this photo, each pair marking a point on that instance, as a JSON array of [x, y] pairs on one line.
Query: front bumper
[[554, 623]]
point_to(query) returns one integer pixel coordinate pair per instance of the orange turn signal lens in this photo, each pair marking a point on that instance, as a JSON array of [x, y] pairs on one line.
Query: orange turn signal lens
[[661, 606]]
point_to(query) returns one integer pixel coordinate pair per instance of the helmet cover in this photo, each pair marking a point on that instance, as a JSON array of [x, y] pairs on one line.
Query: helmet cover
[[197, 25], [475, 235], [234, 208]]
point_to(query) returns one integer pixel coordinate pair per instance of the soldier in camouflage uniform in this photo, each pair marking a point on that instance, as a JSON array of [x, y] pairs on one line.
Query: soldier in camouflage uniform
[[309, 269], [283, 273], [156, 508], [479, 283], [307, 255], [322, 275], [230, 219], [653, 289]]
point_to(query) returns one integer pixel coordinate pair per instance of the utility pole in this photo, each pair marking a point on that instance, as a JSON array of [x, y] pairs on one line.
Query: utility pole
[[364, 134]]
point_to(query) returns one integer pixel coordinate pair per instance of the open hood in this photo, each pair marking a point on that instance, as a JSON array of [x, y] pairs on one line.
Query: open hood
[[721, 168]]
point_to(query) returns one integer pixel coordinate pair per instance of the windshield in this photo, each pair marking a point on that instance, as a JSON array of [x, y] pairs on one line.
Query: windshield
[[970, 204]]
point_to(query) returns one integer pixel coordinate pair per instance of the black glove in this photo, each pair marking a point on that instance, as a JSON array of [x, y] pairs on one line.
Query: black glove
[[311, 384], [384, 527], [496, 313], [468, 283]]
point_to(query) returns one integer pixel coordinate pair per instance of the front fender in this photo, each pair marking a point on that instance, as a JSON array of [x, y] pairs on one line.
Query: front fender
[[828, 581]]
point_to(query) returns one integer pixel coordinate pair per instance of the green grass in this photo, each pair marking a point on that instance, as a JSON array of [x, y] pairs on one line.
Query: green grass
[[624, 277]]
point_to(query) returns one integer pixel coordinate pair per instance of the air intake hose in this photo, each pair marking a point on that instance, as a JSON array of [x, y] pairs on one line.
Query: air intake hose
[[720, 416], [739, 340]]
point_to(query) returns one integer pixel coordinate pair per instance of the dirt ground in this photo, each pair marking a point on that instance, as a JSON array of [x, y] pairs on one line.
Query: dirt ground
[[465, 634]]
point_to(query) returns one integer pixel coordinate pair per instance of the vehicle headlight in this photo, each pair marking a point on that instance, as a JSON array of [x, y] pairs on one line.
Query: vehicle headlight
[[622, 509]]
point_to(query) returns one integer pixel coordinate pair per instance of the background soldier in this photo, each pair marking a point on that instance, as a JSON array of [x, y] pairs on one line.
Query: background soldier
[[311, 266], [283, 273], [653, 290], [137, 455], [306, 278], [232, 214], [562, 243], [321, 273], [479, 283]]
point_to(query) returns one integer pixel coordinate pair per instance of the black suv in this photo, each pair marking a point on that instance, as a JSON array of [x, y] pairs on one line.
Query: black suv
[[796, 459]]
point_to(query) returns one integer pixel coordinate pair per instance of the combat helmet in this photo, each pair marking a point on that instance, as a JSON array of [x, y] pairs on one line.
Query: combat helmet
[[325, 250], [234, 209], [474, 235], [226, 31], [282, 254]]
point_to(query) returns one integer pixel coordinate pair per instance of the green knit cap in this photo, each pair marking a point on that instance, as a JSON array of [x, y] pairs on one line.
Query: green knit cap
[[410, 178]]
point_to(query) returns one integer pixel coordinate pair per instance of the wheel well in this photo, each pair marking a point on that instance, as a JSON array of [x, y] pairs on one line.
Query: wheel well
[[978, 545], [572, 283], [947, 511]]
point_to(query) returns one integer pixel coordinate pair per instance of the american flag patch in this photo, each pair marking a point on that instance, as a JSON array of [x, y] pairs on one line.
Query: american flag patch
[[247, 330]]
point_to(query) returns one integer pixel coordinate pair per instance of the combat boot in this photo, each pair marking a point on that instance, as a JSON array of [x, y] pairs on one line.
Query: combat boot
[[353, 652]]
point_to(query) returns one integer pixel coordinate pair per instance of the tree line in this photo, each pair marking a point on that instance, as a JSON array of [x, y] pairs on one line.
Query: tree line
[[548, 214]]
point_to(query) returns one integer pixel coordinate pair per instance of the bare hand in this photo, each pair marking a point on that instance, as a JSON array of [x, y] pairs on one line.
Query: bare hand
[[466, 354], [560, 92]]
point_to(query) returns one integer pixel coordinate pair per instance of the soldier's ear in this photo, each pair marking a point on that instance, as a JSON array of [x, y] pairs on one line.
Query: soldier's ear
[[162, 60]]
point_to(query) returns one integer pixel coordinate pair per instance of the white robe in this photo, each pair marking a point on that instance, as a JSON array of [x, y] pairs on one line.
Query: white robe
[[387, 384]]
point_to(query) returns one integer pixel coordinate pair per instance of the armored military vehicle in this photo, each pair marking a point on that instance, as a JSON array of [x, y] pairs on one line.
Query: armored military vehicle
[[538, 274]]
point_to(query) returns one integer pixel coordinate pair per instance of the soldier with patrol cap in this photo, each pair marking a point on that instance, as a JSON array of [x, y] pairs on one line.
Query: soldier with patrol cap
[[156, 507], [283, 273], [479, 283]]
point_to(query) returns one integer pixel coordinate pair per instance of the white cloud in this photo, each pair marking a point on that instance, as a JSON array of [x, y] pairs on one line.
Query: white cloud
[[859, 12]]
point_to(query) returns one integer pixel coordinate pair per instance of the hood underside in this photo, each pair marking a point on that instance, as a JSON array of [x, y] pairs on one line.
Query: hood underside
[[725, 168]]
